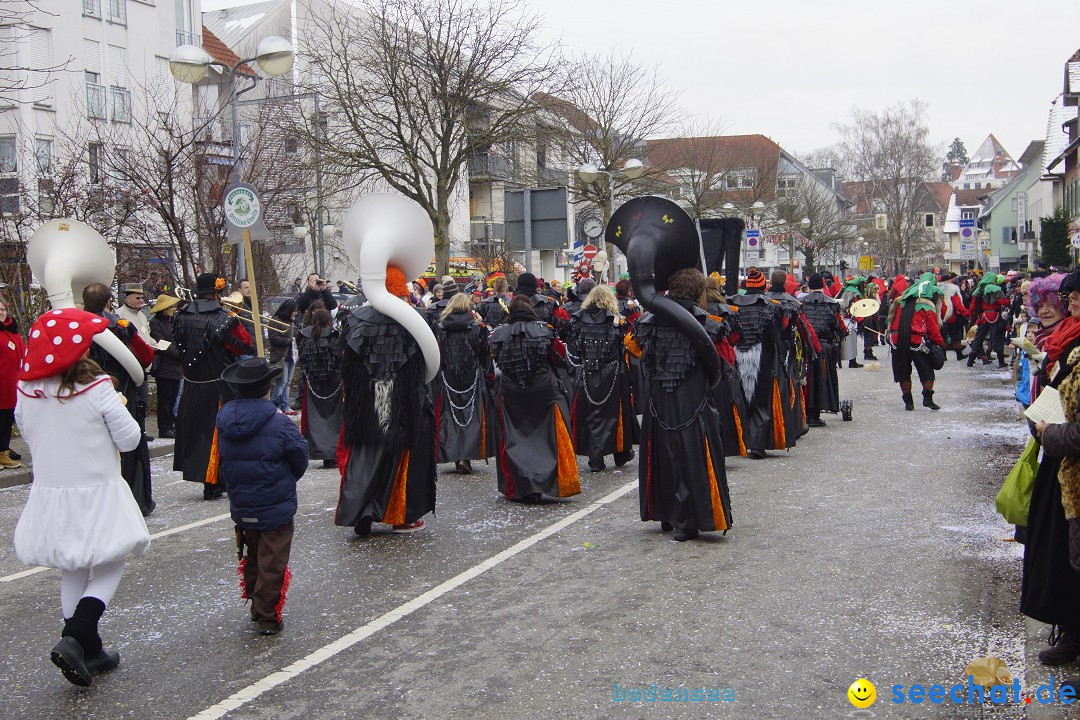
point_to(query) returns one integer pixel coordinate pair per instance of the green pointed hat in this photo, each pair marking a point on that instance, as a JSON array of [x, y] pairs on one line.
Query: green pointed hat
[[925, 287]]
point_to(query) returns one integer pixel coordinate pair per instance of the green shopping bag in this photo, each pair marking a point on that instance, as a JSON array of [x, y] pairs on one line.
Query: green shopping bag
[[1015, 495]]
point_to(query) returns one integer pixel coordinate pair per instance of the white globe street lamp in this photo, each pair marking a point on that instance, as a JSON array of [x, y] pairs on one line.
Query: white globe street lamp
[[589, 173]]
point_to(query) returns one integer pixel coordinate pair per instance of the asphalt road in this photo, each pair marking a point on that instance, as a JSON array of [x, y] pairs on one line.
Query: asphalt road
[[870, 550]]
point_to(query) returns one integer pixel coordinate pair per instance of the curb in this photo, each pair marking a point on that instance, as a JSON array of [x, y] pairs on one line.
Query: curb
[[24, 476]]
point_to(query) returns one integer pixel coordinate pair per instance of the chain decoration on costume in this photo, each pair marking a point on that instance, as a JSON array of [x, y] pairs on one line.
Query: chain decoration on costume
[[681, 426], [588, 395], [469, 404]]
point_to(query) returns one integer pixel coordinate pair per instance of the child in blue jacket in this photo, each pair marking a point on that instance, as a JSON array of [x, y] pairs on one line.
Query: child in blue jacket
[[262, 456]]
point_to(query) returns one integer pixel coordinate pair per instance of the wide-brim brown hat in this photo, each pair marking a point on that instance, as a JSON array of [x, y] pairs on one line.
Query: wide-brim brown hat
[[164, 302]]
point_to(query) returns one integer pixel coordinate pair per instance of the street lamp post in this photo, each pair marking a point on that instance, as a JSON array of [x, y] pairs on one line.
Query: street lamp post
[[589, 173], [322, 229], [189, 64]]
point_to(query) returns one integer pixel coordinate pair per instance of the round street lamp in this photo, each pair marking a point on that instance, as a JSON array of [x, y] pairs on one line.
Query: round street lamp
[[189, 63], [590, 173], [275, 55]]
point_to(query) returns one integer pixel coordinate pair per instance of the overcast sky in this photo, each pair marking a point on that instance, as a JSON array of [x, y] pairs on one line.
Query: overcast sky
[[789, 69]]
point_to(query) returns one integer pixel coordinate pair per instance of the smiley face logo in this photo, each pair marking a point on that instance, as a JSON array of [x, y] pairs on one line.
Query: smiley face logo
[[862, 693]]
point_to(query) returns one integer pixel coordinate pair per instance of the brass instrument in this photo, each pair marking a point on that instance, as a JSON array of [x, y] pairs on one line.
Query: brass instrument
[[235, 304], [185, 294], [355, 290]]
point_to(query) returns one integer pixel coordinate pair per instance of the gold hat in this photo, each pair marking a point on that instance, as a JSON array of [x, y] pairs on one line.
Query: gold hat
[[163, 302]]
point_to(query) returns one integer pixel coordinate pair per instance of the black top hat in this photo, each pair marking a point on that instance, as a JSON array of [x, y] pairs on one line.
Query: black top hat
[[252, 374], [206, 284]]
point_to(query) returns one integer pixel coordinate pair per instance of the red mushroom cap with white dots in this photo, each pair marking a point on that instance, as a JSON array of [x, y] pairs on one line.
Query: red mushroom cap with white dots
[[57, 340]]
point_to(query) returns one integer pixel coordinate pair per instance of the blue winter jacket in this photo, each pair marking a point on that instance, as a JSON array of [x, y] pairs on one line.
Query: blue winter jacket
[[262, 456]]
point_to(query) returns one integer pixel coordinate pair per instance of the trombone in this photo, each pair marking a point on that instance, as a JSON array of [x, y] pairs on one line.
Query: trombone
[[235, 303]]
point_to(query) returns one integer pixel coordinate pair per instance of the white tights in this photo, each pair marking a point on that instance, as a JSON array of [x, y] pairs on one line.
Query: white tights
[[77, 584]]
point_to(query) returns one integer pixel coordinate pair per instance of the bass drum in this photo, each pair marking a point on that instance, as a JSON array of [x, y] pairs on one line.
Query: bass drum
[[849, 347]]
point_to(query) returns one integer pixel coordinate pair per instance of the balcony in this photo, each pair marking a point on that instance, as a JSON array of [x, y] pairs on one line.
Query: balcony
[[554, 175], [183, 37], [214, 140], [490, 167]]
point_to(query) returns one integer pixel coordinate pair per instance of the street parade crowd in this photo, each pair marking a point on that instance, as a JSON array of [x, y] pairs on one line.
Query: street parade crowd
[[404, 376]]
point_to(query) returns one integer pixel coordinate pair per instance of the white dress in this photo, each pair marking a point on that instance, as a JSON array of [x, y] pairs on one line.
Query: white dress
[[80, 512]]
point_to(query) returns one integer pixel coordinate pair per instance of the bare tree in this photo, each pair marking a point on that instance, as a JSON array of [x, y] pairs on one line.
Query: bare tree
[[829, 229], [889, 151], [415, 88], [699, 162]]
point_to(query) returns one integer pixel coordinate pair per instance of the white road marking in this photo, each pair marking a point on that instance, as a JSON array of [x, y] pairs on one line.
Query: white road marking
[[176, 482], [345, 642], [154, 536]]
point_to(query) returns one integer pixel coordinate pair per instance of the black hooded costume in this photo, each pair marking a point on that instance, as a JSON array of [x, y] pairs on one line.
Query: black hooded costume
[[682, 480], [757, 356], [463, 390], [320, 359]]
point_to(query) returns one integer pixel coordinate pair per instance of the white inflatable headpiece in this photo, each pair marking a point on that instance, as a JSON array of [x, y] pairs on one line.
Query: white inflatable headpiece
[[67, 255], [384, 229]]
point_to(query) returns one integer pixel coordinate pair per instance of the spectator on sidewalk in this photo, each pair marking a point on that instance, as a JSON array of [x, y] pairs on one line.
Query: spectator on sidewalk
[[167, 368], [11, 352]]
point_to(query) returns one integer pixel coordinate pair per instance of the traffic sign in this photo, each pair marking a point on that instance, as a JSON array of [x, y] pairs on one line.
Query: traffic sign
[[753, 238], [589, 251]]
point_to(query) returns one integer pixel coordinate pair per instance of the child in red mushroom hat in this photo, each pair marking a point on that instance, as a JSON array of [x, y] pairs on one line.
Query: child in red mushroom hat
[[80, 516]]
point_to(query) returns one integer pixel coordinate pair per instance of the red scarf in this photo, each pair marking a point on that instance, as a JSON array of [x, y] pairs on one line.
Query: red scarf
[[1063, 337]]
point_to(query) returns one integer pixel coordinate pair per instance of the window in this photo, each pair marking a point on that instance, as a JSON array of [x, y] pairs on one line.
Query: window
[[928, 220], [741, 179], [45, 197], [91, 8], [121, 105], [8, 157], [95, 97], [9, 195], [967, 186], [290, 146], [43, 154], [978, 186], [786, 186], [967, 215], [117, 11], [95, 162]]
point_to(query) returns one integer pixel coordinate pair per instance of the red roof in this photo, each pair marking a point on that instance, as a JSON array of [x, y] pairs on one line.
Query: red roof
[[1075, 57], [718, 156], [221, 52]]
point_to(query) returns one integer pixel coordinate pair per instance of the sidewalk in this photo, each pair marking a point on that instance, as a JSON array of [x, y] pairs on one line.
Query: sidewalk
[[23, 475]]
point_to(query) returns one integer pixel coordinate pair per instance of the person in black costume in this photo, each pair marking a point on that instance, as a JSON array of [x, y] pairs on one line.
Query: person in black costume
[[822, 381], [134, 464], [209, 340], [681, 476], [320, 358], [535, 454], [757, 355], [602, 411], [463, 394]]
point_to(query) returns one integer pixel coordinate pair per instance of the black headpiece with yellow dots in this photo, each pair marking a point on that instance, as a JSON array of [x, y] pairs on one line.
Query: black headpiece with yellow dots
[[659, 239]]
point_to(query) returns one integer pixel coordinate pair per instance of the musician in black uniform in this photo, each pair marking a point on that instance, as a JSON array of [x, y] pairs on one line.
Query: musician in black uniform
[[209, 339]]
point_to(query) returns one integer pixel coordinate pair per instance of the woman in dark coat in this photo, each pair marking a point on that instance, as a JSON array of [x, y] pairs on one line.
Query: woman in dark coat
[[167, 368], [602, 412], [320, 358], [463, 387], [1050, 589], [535, 455]]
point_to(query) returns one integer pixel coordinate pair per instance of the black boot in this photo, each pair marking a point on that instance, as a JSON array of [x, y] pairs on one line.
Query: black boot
[[909, 402], [869, 355], [853, 363], [928, 400], [1064, 648], [960, 355], [80, 644]]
